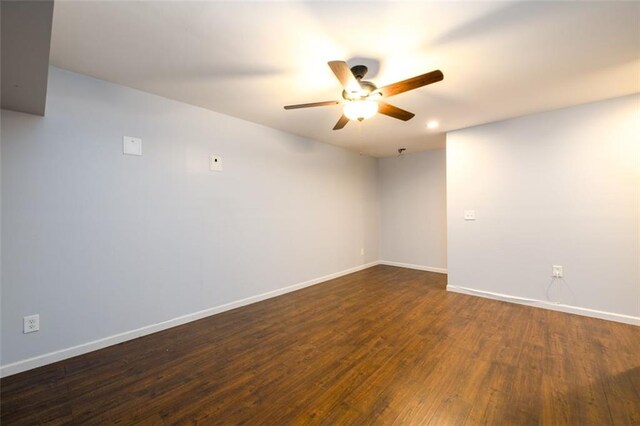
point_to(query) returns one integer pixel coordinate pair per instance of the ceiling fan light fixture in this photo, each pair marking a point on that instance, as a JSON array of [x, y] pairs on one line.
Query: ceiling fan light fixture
[[363, 99], [360, 110]]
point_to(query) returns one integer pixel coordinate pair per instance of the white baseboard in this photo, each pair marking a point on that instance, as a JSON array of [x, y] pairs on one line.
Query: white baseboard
[[51, 357], [411, 266], [626, 319]]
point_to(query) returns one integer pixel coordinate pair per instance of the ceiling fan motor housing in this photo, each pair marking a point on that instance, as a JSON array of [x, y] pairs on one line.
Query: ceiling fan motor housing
[[366, 88]]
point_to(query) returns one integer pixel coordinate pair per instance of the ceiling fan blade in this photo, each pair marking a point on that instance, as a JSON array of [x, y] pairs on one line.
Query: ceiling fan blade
[[313, 104], [341, 122], [411, 83], [395, 112], [345, 76]]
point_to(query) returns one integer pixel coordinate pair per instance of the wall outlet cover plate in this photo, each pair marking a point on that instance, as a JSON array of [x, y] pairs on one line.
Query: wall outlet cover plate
[[30, 323], [557, 271]]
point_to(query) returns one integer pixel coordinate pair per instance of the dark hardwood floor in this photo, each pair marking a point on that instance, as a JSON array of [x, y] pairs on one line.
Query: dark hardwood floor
[[385, 345]]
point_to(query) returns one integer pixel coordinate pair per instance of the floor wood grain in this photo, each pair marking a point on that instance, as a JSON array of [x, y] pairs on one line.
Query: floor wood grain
[[385, 345]]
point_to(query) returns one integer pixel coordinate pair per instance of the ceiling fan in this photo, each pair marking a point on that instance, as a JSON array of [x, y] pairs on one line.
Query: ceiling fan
[[363, 99]]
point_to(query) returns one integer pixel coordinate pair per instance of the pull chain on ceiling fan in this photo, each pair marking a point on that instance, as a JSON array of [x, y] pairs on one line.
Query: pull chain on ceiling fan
[[363, 99]]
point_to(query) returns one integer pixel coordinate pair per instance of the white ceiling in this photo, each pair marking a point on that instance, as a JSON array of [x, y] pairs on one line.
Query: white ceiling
[[499, 59]]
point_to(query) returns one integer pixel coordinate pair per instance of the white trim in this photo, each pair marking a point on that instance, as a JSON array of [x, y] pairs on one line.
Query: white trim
[[411, 266], [51, 357], [626, 319]]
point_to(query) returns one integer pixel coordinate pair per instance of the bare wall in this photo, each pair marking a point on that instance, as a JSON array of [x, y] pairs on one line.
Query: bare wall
[[556, 188], [100, 243], [413, 209]]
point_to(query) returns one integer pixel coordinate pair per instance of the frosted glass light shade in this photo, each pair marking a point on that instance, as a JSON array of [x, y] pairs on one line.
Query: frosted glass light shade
[[360, 110]]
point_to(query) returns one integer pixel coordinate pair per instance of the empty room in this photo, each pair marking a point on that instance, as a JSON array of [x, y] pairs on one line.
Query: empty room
[[320, 212]]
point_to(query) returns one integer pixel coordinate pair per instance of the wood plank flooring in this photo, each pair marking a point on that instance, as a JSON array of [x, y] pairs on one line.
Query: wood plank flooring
[[382, 346]]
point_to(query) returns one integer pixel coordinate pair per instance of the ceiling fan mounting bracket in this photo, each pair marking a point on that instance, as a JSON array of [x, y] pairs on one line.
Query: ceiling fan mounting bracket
[[359, 71]]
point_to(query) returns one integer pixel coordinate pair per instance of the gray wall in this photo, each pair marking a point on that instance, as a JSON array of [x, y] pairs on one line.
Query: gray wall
[[100, 243], [413, 225], [559, 187]]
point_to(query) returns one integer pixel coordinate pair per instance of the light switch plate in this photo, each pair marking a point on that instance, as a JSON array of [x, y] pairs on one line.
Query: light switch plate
[[131, 145], [469, 215], [215, 163]]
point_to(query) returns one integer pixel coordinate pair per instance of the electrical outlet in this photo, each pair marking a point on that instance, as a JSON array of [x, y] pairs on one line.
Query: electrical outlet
[[469, 215], [362, 252], [31, 323], [558, 271]]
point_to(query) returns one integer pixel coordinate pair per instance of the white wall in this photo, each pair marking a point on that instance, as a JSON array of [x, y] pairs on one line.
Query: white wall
[[99, 243], [413, 212], [559, 187]]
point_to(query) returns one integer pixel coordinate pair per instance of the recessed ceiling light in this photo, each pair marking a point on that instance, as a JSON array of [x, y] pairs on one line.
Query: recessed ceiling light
[[433, 124]]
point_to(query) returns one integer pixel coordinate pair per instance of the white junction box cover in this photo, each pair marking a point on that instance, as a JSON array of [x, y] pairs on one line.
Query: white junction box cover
[[131, 145]]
